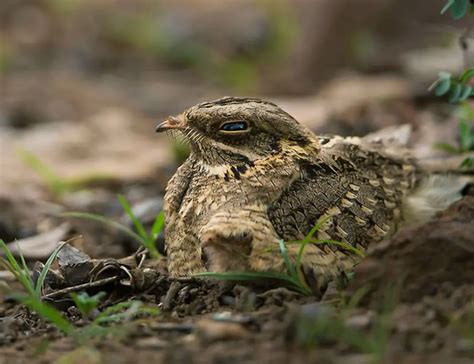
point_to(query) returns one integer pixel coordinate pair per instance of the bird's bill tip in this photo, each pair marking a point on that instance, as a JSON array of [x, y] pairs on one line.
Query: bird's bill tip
[[172, 122]]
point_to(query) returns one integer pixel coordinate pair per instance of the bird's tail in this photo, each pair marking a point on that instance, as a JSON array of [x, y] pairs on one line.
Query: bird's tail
[[443, 181], [434, 193]]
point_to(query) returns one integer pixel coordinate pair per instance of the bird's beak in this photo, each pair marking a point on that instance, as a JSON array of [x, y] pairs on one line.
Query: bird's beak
[[172, 122]]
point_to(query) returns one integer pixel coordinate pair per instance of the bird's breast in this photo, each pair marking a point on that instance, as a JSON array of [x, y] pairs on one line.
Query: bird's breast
[[228, 187]]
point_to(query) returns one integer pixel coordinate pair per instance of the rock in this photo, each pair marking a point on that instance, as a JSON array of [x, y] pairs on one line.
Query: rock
[[422, 259], [151, 343], [74, 265], [211, 331], [304, 322], [361, 321]]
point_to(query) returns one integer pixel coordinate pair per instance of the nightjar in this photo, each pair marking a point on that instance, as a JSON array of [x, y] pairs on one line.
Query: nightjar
[[256, 176]]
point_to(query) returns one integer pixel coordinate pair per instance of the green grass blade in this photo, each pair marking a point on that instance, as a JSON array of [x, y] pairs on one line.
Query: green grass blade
[[295, 272], [448, 148], [21, 274], [44, 271], [106, 221], [341, 244], [26, 271], [54, 182], [49, 313], [115, 313], [151, 247], [158, 225], [286, 258], [308, 238], [245, 276], [255, 276], [299, 258], [10, 258], [138, 225], [316, 227]]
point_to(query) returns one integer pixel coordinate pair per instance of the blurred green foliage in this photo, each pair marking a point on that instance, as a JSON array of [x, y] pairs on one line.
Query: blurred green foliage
[[457, 88], [458, 8], [146, 32], [5, 56], [56, 184]]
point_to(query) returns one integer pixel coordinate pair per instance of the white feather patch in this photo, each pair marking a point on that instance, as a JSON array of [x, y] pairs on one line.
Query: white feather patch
[[434, 193]]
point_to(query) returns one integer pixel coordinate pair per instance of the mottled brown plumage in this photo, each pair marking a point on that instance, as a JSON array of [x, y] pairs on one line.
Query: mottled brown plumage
[[255, 176]]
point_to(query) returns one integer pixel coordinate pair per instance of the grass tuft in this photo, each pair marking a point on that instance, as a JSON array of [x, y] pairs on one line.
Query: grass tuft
[[120, 312], [32, 298]]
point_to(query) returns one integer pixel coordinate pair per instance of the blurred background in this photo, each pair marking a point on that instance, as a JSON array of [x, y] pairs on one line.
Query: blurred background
[[84, 82]]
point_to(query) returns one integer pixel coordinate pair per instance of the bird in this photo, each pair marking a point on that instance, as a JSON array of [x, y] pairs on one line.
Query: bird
[[255, 177]]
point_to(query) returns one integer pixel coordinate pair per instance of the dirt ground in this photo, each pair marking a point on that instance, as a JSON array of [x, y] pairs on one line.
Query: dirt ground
[[79, 100]]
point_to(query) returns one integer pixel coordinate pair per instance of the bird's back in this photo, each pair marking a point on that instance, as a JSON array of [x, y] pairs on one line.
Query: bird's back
[[355, 186]]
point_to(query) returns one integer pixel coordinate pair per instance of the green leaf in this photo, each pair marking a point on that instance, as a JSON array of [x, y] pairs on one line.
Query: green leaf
[[455, 93], [466, 91], [138, 225], [459, 8], [447, 6], [442, 86], [466, 75], [85, 303], [467, 162]]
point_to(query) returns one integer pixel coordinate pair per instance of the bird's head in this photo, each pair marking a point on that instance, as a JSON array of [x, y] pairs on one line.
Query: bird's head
[[233, 129]]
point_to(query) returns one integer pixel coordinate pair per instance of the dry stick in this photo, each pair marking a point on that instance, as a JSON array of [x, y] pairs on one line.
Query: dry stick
[[103, 282], [98, 283], [170, 295], [171, 326]]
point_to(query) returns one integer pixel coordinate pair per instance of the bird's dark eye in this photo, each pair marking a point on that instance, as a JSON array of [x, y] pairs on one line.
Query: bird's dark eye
[[240, 125]]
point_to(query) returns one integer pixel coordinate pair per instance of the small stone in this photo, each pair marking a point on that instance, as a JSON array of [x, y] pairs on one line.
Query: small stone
[[361, 321], [152, 342], [210, 330]]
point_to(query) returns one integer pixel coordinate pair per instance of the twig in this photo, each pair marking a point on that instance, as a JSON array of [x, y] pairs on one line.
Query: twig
[[67, 290], [170, 326], [170, 296]]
